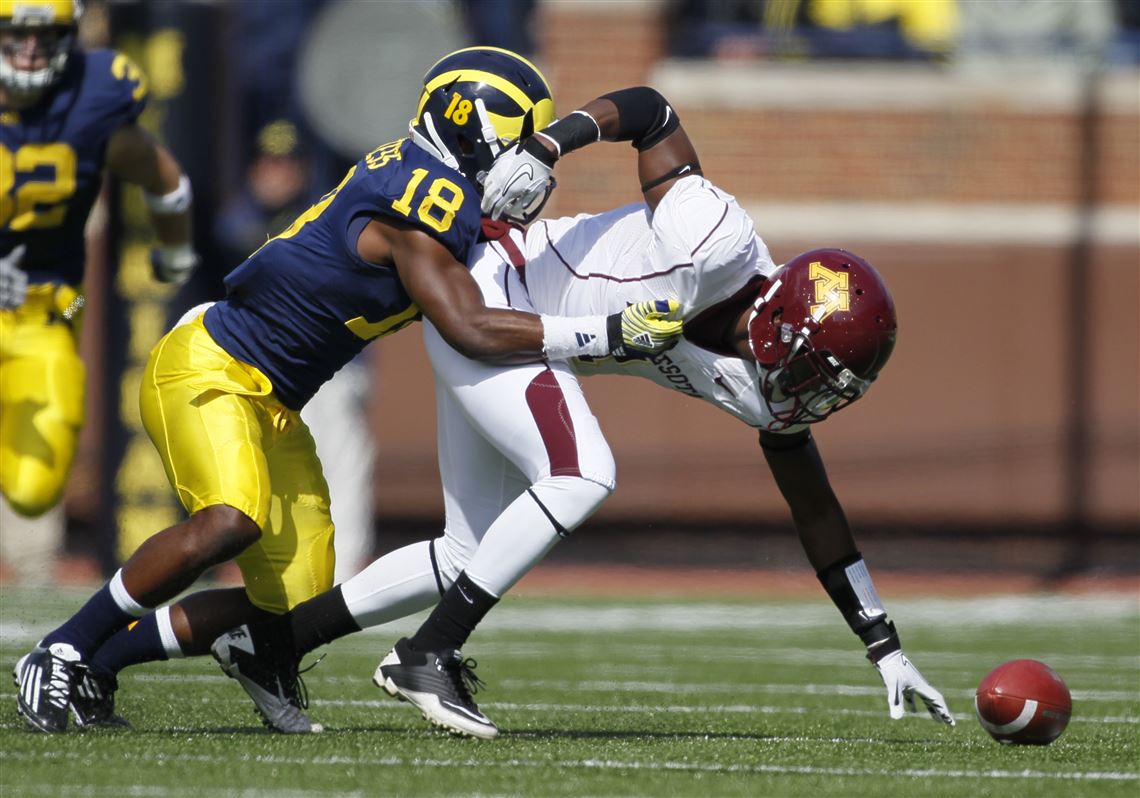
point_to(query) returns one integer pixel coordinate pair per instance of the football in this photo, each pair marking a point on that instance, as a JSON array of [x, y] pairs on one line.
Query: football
[[1023, 702]]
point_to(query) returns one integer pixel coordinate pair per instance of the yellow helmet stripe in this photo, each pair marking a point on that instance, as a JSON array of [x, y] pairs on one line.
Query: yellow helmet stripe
[[508, 53], [510, 127], [477, 76]]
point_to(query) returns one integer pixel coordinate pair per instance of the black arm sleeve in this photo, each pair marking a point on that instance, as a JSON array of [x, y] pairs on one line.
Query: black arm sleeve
[[644, 116]]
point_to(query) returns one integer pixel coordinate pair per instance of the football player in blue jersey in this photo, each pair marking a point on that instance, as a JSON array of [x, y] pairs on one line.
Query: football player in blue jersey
[[221, 394], [65, 114]]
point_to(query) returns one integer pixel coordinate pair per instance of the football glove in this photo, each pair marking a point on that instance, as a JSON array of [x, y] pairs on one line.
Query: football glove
[[173, 264], [904, 682], [644, 328], [13, 279], [517, 181]]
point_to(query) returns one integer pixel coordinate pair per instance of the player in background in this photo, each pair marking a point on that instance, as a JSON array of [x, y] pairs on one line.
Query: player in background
[[780, 348], [221, 394], [65, 115]]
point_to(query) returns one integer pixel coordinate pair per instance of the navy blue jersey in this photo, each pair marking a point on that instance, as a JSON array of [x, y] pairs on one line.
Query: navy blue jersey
[[306, 303], [51, 161]]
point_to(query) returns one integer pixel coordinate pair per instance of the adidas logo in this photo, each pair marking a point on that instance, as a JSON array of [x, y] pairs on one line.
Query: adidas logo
[[643, 340], [584, 338]]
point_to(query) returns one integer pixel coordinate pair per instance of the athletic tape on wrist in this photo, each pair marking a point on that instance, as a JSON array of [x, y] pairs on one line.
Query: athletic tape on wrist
[[564, 337], [849, 585], [177, 201]]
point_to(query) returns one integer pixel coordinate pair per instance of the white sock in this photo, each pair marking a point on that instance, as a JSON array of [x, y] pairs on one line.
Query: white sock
[[123, 599], [166, 632]]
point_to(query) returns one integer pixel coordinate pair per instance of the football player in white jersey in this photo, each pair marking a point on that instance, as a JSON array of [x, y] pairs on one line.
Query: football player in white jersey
[[779, 347]]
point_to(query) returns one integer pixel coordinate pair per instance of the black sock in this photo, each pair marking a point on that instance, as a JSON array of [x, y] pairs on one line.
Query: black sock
[[455, 617], [321, 620]]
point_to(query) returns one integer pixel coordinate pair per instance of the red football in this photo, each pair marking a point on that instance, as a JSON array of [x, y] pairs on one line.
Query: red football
[[1023, 702]]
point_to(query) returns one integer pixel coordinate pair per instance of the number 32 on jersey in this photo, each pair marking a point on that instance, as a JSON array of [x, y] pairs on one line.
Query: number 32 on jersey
[[39, 201]]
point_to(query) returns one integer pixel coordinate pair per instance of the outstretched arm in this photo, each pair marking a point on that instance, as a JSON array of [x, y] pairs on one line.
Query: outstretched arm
[[638, 115], [134, 156], [444, 291], [830, 547]]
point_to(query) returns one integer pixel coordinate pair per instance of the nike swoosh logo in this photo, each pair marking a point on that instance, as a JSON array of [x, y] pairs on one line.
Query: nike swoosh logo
[[466, 598], [683, 169]]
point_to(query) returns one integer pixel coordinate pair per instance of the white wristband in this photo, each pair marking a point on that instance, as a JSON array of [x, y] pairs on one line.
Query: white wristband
[[565, 337], [177, 201]]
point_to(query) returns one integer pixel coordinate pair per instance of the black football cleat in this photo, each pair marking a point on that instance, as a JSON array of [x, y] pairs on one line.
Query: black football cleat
[[46, 679], [268, 676], [440, 685], [93, 702]]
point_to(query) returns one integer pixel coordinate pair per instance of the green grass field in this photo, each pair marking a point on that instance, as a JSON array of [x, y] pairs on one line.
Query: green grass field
[[681, 697]]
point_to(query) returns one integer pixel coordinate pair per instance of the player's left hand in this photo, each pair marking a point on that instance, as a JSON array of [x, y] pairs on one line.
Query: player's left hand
[[518, 178], [904, 682], [173, 264], [13, 279], [645, 327]]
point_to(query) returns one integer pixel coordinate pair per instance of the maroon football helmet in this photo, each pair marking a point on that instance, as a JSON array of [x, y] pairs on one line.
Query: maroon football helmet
[[821, 329]]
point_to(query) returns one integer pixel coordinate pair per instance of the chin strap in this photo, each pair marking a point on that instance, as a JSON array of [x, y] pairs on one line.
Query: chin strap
[[432, 142]]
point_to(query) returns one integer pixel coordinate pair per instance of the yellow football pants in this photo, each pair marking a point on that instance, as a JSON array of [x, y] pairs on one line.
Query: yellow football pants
[[224, 438], [42, 388]]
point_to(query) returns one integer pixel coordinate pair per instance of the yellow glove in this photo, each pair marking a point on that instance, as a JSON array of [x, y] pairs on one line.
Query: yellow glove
[[644, 328]]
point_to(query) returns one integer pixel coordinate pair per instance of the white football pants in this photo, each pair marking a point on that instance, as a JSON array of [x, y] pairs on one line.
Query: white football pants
[[523, 462]]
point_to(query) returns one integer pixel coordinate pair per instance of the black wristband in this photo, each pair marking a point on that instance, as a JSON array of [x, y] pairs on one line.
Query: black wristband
[[644, 116], [614, 341], [572, 133], [539, 152], [880, 640]]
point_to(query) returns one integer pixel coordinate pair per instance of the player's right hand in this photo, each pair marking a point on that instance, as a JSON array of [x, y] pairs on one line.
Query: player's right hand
[[13, 279], [645, 328], [904, 682], [173, 264], [518, 179]]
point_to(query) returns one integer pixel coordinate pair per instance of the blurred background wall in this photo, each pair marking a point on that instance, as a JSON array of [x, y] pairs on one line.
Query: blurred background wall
[[985, 156]]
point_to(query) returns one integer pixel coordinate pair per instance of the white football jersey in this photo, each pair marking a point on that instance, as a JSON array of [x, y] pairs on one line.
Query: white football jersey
[[699, 248]]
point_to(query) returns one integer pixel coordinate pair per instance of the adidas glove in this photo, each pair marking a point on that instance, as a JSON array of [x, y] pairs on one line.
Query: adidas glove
[[517, 180], [644, 328], [904, 682], [13, 279], [173, 264]]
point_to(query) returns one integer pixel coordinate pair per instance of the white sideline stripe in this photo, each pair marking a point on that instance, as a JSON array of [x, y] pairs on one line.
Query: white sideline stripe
[[982, 612], [593, 764], [757, 652]]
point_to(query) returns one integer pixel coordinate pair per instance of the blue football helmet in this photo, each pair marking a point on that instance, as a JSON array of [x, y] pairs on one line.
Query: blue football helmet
[[477, 101]]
